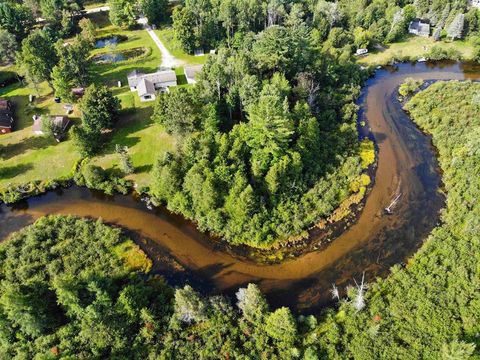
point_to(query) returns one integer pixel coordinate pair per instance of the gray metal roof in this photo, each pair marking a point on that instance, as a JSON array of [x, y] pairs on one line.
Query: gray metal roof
[[157, 78], [422, 28], [192, 71], [145, 87]]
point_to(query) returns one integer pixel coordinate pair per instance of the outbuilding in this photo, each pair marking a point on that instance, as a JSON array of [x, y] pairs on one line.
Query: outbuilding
[[191, 73], [60, 124]]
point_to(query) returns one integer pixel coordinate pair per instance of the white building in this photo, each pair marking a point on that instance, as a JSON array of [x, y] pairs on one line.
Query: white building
[[147, 85], [191, 73]]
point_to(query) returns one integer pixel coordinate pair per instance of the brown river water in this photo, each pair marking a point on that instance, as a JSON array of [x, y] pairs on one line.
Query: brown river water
[[406, 165]]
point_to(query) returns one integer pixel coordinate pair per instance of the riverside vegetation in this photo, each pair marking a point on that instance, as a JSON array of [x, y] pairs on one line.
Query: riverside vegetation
[[98, 303]]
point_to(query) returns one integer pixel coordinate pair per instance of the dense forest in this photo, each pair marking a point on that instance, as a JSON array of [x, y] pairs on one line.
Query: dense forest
[[342, 24], [267, 139], [267, 144]]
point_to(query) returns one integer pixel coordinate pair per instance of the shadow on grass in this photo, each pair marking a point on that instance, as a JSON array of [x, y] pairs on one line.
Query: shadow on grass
[[8, 172], [143, 169], [182, 79], [31, 143]]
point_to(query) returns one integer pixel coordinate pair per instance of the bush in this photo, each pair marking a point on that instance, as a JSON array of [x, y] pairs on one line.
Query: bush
[[95, 177], [409, 86], [438, 52]]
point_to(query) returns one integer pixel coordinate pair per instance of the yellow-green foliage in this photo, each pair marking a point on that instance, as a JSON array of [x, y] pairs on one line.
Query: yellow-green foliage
[[367, 153], [134, 257], [409, 86], [360, 183]]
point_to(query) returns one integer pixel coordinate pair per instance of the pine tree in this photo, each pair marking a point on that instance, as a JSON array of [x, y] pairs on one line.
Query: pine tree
[[455, 29]]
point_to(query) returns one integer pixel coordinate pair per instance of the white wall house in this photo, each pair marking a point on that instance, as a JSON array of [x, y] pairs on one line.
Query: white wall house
[[147, 85]]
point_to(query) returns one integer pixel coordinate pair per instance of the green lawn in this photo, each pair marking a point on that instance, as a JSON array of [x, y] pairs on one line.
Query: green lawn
[[168, 39], [26, 157], [92, 4], [413, 48]]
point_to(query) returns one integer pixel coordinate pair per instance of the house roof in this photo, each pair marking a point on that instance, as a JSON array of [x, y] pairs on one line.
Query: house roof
[[60, 122], [155, 78], [6, 119], [192, 71], [145, 87], [420, 26]]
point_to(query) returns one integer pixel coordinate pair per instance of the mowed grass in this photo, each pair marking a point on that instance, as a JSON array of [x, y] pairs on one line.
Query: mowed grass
[[146, 141], [414, 47], [168, 39], [26, 157]]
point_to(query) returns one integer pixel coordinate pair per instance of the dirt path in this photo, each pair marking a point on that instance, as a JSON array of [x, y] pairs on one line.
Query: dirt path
[[168, 60]]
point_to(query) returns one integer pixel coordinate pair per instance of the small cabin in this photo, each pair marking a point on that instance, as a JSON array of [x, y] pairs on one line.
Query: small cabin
[[419, 28]]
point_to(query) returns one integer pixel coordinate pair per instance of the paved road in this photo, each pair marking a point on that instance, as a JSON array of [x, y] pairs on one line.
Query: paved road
[[168, 60]]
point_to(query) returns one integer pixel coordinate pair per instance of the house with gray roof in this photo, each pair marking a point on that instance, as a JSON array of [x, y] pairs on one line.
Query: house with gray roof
[[147, 85], [419, 28], [60, 125]]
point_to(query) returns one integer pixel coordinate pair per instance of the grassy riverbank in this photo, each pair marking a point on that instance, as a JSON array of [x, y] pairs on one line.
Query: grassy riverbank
[[413, 48]]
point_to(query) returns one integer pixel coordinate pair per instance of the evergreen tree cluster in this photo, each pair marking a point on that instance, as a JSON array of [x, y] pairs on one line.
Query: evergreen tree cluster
[[267, 139]]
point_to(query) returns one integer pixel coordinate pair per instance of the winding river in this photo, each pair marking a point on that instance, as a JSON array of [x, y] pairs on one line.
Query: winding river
[[406, 165]]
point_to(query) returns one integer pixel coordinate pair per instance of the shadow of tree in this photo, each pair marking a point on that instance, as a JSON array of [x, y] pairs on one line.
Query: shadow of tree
[[8, 172], [31, 143], [144, 168]]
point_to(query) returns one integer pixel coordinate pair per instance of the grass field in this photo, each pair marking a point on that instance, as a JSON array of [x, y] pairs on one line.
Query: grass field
[[166, 36], [26, 157], [413, 48]]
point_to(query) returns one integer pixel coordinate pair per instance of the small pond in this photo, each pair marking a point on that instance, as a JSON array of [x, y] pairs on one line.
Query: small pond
[[118, 56], [107, 41]]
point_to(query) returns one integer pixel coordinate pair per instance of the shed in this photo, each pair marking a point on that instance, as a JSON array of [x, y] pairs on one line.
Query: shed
[[60, 124]]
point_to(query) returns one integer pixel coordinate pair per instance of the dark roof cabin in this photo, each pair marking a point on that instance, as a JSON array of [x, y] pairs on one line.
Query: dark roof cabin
[[420, 28]]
